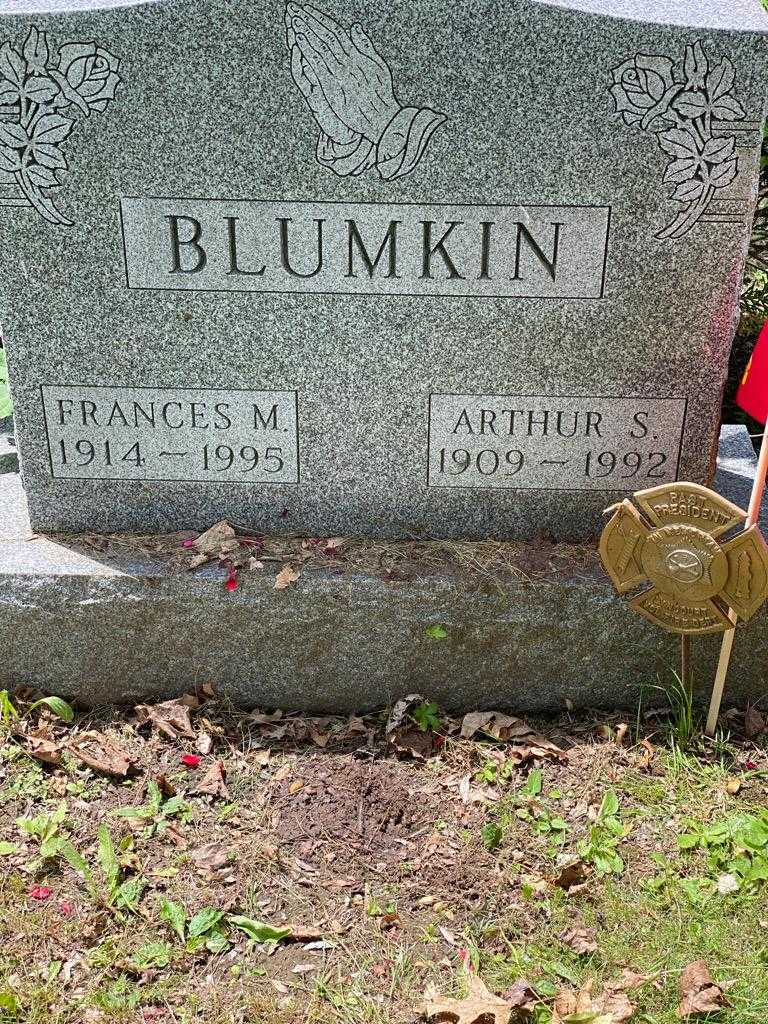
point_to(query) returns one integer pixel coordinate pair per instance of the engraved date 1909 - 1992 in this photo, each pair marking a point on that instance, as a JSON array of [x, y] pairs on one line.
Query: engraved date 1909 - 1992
[[581, 443], [591, 464]]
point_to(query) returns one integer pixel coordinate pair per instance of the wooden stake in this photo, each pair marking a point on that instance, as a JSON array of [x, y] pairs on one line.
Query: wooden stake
[[753, 514]]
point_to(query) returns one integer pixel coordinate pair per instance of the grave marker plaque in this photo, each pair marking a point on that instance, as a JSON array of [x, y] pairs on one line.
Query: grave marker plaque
[[383, 268]]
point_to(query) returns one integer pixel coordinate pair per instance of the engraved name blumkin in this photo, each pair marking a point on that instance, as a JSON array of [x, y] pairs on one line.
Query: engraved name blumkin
[[366, 248]]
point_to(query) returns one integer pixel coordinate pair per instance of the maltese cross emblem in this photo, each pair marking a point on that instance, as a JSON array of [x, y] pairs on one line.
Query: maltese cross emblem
[[669, 539]]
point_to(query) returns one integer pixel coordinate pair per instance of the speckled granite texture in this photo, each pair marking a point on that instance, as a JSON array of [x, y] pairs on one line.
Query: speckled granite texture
[[114, 631], [496, 104]]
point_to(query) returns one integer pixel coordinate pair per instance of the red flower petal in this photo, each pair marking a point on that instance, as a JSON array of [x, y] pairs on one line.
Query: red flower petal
[[40, 892], [190, 760], [231, 583], [65, 907], [187, 543]]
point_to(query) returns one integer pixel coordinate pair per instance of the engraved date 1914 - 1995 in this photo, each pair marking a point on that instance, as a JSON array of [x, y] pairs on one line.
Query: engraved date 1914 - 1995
[[103, 433], [581, 443]]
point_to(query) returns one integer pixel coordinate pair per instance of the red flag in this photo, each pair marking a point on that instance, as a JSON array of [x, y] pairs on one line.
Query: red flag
[[752, 395]]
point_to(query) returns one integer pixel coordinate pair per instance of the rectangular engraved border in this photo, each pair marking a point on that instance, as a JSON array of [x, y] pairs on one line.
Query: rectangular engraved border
[[372, 295], [580, 490], [157, 480]]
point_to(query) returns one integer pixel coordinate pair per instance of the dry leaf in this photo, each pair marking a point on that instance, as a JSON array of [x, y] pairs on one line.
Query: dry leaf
[[573, 872], [621, 732], [754, 723], [204, 743], [286, 577], [101, 754], [629, 979], [648, 754], [732, 786], [213, 781], [494, 724], [700, 992], [218, 542], [210, 858], [42, 749], [171, 718], [580, 940], [399, 715], [296, 787], [479, 1007], [611, 1007], [526, 743], [522, 998]]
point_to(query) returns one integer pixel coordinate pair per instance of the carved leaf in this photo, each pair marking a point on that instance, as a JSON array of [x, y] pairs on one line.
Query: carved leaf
[[728, 109], [43, 177], [691, 104], [52, 128], [688, 191], [721, 79], [717, 150], [10, 159], [12, 64], [9, 93], [40, 89], [49, 156], [13, 135], [680, 170], [723, 174], [679, 143]]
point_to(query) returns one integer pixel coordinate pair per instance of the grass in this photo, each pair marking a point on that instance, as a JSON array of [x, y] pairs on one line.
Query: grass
[[402, 868]]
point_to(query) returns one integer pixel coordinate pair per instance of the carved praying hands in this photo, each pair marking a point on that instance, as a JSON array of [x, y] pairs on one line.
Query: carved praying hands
[[348, 87]]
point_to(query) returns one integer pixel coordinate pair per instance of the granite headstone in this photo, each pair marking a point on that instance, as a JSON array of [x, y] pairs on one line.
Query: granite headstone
[[371, 267]]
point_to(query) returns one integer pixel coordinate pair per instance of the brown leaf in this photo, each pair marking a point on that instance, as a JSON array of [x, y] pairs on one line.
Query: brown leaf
[[165, 786], [526, 743], [412, 742], [754, 723], [286, 577], [218, 542], [399, 715], [213, 781], [210, 858], [621, 733], [580, 940], [629, 979], [522, 997], [100, 753], [171, 718], [614, 1007], [648, 754], [699, 991], [42, 749], [479, 1007], [573, 872], [732, 786], [204, 743], [610, 1007], [495, 724]]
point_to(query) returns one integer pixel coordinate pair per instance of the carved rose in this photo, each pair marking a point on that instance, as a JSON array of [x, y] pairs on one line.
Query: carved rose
[[643, 88], [88, 75], [691, 109], [36, 86]]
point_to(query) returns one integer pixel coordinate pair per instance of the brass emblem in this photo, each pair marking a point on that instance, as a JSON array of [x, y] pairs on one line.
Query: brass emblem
[[671, 543]]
